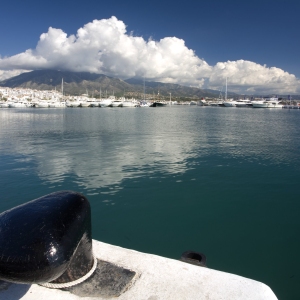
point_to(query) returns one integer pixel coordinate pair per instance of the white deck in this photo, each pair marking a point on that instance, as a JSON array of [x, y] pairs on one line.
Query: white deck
[[157, 278]]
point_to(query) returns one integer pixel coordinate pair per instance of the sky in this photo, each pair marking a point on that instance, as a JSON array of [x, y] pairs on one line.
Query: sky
[[254, 44]]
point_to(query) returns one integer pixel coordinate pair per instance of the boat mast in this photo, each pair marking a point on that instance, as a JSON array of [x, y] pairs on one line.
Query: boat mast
[[144, 88], [226, 91], [62, 87]]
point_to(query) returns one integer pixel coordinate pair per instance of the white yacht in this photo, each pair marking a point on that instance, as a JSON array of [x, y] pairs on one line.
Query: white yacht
[[84, 104], [144, 104], [93, 102], [217, 103], [275, 104], [107, 102], [267, 103], [243, 103], [4, 105], [118, 102], [129, 103], [42, 104], [56, 104], [96, 103], [203, 102], [52, 104], [17, 104], [229, 103], [74, 103]]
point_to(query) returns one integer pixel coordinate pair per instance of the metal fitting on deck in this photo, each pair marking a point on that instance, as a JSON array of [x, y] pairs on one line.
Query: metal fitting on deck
[[194, 258]]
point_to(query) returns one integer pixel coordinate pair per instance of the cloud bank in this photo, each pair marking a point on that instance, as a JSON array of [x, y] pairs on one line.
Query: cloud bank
[[104, 46]]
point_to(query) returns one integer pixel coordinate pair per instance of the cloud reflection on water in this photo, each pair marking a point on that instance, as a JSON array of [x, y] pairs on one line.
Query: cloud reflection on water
[[99, 148]]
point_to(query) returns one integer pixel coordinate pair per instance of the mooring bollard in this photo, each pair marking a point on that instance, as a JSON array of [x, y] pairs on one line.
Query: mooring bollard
[[47, 240]]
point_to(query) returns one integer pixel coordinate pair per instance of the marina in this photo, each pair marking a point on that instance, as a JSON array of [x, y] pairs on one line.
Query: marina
[[27, 98], [122, 102]]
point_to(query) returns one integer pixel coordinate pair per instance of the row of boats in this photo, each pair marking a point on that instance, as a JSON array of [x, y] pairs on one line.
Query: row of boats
[[22, 104], [122, 102], [263, 103], [108, 102]]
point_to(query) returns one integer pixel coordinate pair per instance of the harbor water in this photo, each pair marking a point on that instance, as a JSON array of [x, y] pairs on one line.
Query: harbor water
[[221, 181]]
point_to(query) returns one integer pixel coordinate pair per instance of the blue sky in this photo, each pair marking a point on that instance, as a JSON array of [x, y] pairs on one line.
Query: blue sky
[[253, 43]]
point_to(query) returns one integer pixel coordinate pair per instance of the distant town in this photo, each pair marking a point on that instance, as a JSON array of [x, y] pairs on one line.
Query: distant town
[[24, 97]]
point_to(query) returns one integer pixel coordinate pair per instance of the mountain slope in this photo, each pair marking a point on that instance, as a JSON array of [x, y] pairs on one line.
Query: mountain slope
[[77, 83]]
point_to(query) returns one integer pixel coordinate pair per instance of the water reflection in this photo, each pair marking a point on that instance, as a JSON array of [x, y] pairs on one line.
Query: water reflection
[[102, 147]]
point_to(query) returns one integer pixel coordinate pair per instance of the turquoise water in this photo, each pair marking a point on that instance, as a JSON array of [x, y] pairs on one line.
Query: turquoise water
[[222, 181]]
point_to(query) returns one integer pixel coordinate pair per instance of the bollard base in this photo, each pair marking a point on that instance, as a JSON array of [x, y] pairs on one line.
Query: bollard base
[[108, 281]]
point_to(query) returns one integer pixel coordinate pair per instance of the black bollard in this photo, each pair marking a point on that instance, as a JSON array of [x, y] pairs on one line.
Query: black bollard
[[47, 240]]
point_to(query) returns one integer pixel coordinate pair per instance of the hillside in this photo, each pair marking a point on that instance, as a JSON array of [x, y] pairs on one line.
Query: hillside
[[83, 82]]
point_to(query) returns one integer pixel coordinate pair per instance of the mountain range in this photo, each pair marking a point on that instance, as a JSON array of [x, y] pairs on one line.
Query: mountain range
[[78, 83]]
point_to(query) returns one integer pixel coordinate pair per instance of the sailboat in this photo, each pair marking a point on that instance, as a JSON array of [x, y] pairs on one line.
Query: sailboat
[[230, 102], [144, 103]]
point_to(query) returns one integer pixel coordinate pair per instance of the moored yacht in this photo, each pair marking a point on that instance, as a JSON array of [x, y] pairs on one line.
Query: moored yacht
[[18, 104], [243, 103], [107, 101], [217, 103], [158, 104], [130, 103], [73, 103], [42, 104], [56, 104], [229, 103], [84, 104], [52, 104], [4, 105], [267, 103], [118, 102], [93, 102], [144, 104], [203, 102]]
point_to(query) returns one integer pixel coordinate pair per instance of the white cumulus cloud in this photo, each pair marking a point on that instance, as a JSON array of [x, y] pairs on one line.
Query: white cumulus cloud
[[251, 78], [5, 74], [104, 46]]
